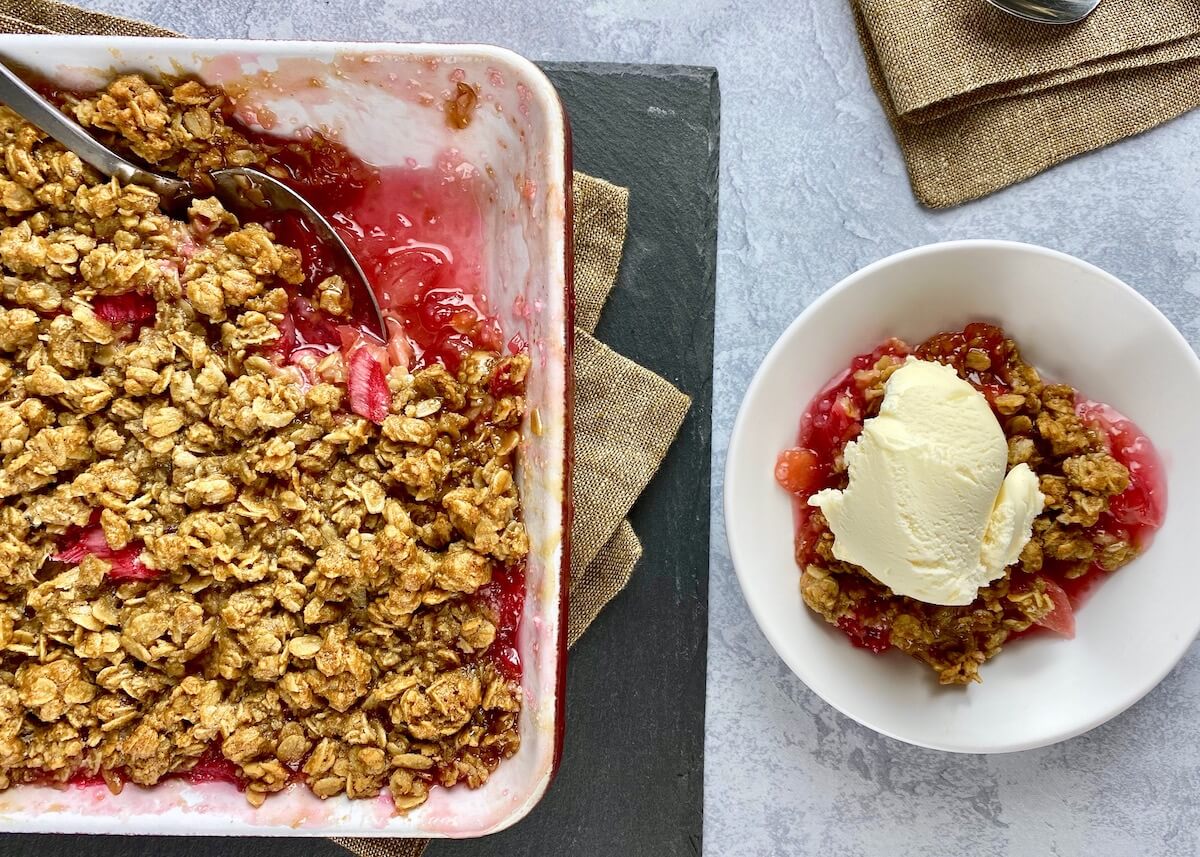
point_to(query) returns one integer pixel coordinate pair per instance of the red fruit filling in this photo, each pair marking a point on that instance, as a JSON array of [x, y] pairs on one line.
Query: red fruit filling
[[369, 394], [212, 767], [126, 563], [505, 594], [84, 780], [88, 541], [131, 309], [799, 471], [1060, 620], [873, 639]]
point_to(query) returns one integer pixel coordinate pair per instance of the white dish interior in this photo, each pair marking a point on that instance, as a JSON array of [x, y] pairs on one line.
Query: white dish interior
[[385, 103], [1077, 324]]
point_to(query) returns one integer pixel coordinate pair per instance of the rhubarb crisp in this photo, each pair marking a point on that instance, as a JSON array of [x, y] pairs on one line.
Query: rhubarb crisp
[[240, 538], [1098, 475]]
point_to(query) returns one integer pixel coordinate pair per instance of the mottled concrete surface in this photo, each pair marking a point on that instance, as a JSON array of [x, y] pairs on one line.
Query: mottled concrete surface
[[813, 188]]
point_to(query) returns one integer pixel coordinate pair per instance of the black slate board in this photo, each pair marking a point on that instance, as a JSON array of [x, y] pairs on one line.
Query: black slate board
[[632, 770]]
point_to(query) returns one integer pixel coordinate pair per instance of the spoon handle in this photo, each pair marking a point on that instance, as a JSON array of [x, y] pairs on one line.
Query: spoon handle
[[21, 99]]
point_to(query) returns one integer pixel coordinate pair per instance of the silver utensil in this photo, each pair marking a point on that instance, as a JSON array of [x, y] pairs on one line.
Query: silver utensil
[[238, 188], [1048, 11]]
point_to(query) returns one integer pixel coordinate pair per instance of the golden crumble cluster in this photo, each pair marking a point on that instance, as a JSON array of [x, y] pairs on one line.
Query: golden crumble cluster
[[184, 130], [1078, 477], [202, 551]]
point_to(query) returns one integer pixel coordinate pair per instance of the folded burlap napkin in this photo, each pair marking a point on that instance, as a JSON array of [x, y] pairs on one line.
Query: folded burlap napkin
[[626, 417], [980, 100]]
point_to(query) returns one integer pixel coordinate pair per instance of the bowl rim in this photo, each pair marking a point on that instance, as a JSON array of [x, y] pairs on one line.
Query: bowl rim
[[737, 549]]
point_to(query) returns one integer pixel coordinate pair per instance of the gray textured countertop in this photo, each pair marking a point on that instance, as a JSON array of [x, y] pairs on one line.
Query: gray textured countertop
[[813, 188]]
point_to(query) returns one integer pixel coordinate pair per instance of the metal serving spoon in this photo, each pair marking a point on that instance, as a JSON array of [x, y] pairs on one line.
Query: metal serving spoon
[[1048, 11], [238, 188]]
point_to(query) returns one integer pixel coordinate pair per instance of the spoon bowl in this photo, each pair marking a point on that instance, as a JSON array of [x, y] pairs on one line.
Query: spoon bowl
[[1048, 11]]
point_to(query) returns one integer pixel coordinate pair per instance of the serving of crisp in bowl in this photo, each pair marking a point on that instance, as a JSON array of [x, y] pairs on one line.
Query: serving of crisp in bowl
[[263, 570], [999, 487]]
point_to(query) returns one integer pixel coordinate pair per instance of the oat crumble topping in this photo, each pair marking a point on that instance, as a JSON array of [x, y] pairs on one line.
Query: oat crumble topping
[[203, 550]]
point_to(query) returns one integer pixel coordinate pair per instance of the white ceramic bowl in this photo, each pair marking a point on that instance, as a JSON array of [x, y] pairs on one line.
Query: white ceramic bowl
[[1077, 324], [384, 103]]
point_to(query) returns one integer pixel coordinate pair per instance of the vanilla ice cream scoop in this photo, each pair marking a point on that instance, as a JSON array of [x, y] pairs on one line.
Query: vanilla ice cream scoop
[[928, 510]]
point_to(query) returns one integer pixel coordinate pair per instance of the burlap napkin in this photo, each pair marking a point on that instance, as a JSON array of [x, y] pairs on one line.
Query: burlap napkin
[[980, 100], [626, 417]]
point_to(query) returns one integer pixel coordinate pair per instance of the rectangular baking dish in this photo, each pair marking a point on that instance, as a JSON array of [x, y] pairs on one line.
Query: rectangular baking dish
[[385, 103]]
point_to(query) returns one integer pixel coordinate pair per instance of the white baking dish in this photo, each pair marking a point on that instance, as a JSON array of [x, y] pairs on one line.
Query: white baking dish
[[384, 102]]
